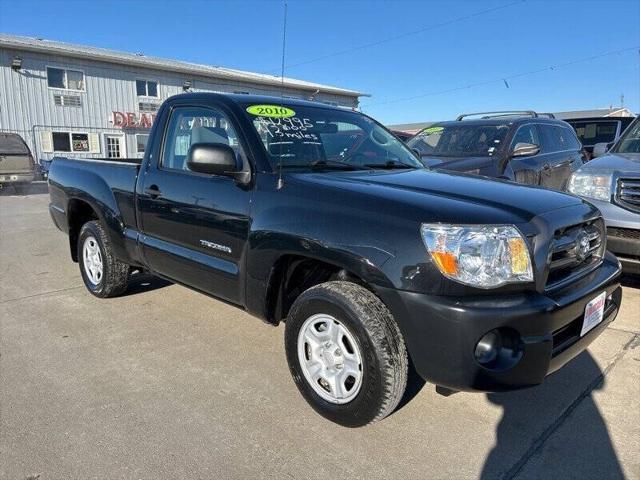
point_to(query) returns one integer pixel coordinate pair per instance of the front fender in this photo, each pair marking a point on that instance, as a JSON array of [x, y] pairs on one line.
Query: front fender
[[267, 248]]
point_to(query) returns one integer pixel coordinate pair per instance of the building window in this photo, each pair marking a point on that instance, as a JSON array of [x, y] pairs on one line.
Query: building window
[[65, 79], [70, 142], [61, 142], [146, 88], [67, 100], [141, 142], [147, 107], [80, 142]]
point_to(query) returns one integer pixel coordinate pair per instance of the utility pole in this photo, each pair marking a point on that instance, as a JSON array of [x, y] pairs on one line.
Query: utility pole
[[622, 100]]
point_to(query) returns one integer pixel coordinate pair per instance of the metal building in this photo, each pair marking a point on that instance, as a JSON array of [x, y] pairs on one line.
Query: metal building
[[75, 100]]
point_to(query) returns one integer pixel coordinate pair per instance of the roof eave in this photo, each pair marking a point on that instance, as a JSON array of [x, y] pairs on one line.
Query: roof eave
[[182, 67]]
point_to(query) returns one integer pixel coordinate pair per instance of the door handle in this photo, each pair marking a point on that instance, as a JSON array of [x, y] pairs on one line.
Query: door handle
[[546, 166], [153, 191]]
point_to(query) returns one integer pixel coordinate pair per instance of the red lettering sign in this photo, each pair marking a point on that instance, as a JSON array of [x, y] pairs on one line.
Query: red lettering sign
[[131, 120], [119, 119]]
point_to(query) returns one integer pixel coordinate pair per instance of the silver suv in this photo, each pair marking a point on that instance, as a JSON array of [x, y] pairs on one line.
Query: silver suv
[[612, 183]]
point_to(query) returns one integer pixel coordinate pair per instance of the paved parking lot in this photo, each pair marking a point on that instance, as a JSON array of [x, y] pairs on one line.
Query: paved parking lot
[[167, 383]]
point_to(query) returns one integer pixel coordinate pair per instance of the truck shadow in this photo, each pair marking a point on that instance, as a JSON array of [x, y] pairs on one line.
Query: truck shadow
[[574, 443], [141, 282], [572, 440]]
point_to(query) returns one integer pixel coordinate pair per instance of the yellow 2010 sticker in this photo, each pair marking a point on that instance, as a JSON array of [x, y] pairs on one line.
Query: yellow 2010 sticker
[[272, 111], [432, 130]]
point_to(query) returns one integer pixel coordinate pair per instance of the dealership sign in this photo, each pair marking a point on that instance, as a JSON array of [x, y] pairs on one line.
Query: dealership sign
[[132, 120]]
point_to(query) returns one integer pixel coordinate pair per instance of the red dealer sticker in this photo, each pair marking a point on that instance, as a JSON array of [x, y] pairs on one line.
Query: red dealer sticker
[[593, 313]]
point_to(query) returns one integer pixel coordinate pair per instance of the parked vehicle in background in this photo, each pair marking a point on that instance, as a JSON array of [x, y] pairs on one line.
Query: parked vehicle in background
[[612, 183], [525, 147], [591, 131], [16, 162], [319, 217], [404, 136]]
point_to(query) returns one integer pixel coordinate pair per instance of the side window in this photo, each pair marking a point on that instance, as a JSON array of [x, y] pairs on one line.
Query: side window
[[551, 141], [526, 134], [190, 125], [572, 141]]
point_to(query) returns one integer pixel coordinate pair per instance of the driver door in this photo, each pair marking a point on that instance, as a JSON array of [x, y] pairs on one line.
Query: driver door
[[195, 225]]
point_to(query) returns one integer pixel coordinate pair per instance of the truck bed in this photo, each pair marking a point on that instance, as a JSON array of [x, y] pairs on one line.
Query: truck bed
[[107, 185]]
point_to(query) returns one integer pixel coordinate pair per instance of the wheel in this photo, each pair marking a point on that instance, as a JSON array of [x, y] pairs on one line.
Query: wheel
[[103, 275], [346, 353]]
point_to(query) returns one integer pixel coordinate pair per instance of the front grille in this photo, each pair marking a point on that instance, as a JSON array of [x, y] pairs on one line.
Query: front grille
[[628, 194], [623, 233], [574, 251]]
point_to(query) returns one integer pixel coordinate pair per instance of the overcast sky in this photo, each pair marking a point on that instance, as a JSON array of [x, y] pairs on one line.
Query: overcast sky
[[420, 60]]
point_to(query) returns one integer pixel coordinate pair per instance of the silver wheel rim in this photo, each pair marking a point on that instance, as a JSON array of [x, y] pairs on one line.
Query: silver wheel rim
[[92, 260], [330, 358]]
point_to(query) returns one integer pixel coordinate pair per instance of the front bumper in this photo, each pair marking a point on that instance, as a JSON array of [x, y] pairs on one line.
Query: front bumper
[[623, 234], [625, 244], [441, 332]]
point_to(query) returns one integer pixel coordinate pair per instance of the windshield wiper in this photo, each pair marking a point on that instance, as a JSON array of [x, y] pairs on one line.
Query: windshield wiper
[[329, 164], [391, 164]]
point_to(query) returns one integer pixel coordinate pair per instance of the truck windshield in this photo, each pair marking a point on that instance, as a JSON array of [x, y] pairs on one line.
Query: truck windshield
[[313, 137], [459, 140], [630, 141]]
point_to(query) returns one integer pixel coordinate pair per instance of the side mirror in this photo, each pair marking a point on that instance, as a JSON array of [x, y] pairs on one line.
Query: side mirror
[[212, 158], [417, 153], [599, 149], [525, 150]]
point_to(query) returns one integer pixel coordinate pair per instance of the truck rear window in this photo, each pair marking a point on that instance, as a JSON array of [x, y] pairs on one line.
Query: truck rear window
[[12, 144]]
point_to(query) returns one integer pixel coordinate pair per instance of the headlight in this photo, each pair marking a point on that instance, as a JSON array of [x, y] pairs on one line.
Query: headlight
[[483, 256], [591, 185]]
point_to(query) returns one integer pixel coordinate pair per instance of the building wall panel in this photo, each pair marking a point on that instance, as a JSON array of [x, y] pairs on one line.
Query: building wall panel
[[27, 102]]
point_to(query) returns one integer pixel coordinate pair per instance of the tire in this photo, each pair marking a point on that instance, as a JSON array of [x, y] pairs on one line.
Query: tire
[[361, 318], [114, 274]]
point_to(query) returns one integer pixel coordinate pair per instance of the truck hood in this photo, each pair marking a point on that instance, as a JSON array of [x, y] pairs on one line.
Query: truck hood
[[614, 163], [440, 196]]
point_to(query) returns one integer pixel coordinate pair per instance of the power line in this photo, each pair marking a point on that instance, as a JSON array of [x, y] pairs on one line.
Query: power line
[[504, 79], [402, 35]]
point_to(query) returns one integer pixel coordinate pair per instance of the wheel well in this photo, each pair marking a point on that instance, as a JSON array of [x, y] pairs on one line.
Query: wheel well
[[292, 275], [78, 213]]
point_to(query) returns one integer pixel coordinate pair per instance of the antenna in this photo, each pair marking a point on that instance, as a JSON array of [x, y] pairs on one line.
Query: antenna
[[280, 183], [284, 44]]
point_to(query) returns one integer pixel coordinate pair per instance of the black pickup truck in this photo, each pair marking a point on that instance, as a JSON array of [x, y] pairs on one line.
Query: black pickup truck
[[320, 218]]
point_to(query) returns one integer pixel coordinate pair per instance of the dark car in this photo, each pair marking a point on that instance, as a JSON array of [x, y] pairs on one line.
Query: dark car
[[595, 130], [16, 162], [525, 147], [319, 217]]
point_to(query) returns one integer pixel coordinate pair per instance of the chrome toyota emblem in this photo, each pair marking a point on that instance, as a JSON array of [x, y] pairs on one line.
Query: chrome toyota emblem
[[582, 246]]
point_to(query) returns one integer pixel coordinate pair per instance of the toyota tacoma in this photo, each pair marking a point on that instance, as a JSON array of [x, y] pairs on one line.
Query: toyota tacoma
[[319, 217]]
